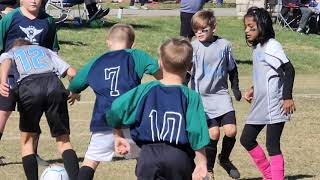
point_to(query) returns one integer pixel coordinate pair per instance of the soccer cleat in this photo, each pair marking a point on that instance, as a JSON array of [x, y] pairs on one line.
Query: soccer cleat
[[93, 17], [229, 168], [103, 13], [41, 162], [61, 19], [210, 175]]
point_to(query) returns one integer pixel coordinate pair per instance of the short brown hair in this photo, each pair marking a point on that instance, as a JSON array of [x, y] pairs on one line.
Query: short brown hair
[[20, 42], [202, 19], [123, 33], [176, 55]]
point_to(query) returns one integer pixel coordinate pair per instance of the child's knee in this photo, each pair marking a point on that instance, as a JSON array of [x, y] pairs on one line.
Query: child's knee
[[246, 142], [90, 163], [63, 143], [273, 148], [214, 133], [230, 130]]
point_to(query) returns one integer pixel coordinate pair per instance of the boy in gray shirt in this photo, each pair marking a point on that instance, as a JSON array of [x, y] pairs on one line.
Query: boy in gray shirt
[[212, 63]]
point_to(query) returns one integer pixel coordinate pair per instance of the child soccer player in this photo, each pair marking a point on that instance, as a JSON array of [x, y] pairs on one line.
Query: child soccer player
[[39, 91], [166, 119], [212, 62], [27, 22], [110, 75], [270, 96]]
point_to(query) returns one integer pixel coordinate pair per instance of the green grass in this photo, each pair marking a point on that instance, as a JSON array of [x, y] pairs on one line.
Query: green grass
[[80, 44]]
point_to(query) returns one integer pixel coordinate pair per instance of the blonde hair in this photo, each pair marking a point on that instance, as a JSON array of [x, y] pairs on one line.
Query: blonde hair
[[176, 55], [202, 19], [122, 33]]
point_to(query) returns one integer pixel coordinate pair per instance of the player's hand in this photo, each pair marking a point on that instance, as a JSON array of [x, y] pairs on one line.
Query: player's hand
[[73, 97], [237, 94], [200, 171], [248, 95], [4, 89], [121, 145], [288, 106]]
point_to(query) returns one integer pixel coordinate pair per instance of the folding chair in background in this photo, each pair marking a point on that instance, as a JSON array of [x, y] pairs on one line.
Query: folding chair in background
[[289, 14], [63, 8]]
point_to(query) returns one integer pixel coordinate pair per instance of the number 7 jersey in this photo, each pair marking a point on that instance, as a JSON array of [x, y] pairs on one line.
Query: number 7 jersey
[[156, 113], [111, 75]]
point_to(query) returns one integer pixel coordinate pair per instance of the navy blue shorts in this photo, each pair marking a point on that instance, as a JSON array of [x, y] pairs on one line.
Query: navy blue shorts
[[228, 118], [43, 93], [185, 27], [162, 161]]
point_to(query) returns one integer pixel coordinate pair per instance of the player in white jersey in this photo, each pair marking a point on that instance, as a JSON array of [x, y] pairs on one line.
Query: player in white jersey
[[213, 62], [270, 96]]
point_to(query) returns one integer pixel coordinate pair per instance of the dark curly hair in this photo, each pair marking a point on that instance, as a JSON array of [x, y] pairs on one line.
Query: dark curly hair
[[264, 25]]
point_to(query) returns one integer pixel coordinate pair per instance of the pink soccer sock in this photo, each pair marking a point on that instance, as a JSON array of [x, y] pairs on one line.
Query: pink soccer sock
[[277, 167], [258, 156]]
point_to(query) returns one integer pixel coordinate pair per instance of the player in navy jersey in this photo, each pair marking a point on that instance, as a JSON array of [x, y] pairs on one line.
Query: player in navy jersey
[[30, 23], [39, 90], [110, 75], [270, 96], [166, 120], [213, 63]]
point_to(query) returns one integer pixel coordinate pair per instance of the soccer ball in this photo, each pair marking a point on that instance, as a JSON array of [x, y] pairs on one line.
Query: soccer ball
[[54, 172]]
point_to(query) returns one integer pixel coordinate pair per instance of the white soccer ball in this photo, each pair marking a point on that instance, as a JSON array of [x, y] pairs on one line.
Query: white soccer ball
[[54, 172]]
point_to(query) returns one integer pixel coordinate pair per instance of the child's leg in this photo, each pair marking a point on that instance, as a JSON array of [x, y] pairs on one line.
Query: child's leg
[[211, 149], [274, 132], [101, 148], [29, 160], [69, 156], [4, 116], [248, 141], [228, 121]]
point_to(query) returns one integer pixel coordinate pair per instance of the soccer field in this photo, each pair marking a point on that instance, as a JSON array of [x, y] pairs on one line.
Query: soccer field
[[299, 140]]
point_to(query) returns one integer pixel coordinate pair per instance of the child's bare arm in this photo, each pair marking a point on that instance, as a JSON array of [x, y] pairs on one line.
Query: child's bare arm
[[71, 72], [4, 86], [200, 170]]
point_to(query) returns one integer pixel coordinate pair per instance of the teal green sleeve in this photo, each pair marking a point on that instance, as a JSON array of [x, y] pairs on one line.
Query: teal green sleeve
[[144, 63], [53, 32], [196, 122], [5, 23], [79, 82], [124, 108]]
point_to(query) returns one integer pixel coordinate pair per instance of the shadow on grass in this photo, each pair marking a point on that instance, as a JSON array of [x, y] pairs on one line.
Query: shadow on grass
[[239, 61], [96, 25], [294, 177], [72, 43], [50, 161]]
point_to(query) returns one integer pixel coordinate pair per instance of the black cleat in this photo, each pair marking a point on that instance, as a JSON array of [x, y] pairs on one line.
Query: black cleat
[[229, 168]]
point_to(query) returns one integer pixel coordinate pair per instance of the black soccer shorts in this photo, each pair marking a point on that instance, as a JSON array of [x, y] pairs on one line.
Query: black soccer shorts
[[43, 93], [228, 118]]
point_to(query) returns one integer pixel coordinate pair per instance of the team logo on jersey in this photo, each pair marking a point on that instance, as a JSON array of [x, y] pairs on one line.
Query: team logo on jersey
[[31, 33]]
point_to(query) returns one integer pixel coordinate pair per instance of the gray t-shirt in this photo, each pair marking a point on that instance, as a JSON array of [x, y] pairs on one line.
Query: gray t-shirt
[[266, 105], [211, 63], [34, 59], [191, 6]]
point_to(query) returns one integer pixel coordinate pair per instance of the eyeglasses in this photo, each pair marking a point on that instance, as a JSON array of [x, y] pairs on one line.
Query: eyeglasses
[[205, 30]]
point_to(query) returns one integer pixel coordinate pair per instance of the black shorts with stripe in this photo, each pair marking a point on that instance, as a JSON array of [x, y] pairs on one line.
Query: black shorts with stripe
[[43, 93]]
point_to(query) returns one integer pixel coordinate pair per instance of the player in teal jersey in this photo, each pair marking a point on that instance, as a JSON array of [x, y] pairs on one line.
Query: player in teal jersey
[[166, 120]]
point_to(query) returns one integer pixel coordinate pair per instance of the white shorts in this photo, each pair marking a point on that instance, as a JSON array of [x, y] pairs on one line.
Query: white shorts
[[101, 147]]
